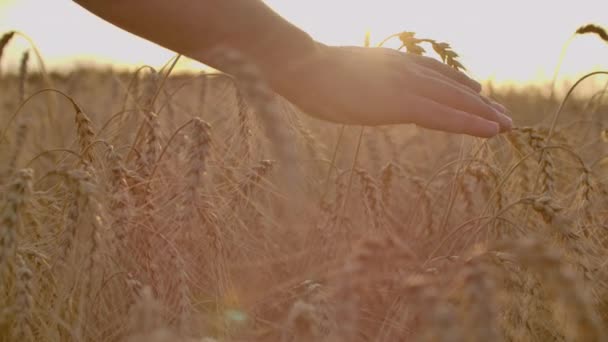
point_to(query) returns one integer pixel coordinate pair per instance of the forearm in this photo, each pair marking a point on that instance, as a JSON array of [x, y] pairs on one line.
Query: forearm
[[195, 27]]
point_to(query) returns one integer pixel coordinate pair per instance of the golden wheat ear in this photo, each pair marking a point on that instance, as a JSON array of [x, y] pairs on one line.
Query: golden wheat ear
[[411, 43], [593, 29], [444, 50], [448, 56], [4, 40]]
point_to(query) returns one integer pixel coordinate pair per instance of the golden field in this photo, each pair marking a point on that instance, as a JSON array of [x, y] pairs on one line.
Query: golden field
[[145, 206]]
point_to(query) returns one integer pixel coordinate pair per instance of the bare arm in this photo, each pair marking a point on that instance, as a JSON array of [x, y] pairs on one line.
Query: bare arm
[[340, 84], [195, 27]]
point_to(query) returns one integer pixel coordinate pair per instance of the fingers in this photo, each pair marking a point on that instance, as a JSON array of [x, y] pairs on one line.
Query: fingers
[[497, 106], [435, 74], [430, 114], [446, 71], [502, 109], [458, 80], [444, 92]]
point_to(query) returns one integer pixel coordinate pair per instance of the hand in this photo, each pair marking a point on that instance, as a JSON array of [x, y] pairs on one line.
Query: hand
[[377, 86]]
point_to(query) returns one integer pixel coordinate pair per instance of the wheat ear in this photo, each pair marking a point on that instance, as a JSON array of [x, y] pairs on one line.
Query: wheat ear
[[593, 29]]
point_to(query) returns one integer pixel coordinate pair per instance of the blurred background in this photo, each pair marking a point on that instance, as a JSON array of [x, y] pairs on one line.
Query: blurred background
[[512, 42]]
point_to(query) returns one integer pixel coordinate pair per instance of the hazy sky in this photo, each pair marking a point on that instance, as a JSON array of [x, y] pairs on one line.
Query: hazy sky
[[517, 40]]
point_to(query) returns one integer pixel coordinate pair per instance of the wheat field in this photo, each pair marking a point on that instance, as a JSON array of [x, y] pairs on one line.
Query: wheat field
[[146, 205]]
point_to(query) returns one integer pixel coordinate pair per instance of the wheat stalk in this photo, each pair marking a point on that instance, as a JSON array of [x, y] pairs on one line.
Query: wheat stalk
[[146, 321], [10, 220], [585, 189], [387, 175], [303, 323], [256, 175], [23, 75], [85, 133], [479, 293], [119, 199], [20, 139], [244, 124], [265, 102], [562, 283], [199, 155], [24, 302]]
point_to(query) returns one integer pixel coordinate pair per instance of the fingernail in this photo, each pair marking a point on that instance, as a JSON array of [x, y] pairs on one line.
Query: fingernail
[[495, 128], [499, 107], [476, 85], [505, 122]]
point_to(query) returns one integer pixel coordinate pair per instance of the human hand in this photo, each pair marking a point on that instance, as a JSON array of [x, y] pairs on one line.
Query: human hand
[[378, 86]]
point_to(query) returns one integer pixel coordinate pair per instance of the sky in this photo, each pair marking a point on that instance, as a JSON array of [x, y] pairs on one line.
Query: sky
[[505, 41]]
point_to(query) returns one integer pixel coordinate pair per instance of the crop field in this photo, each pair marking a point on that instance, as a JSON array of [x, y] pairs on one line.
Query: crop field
[[146, 205]]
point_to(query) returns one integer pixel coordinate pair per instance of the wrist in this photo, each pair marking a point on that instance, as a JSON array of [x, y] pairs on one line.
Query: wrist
[[283, 61], [279, 55], [275, 53]]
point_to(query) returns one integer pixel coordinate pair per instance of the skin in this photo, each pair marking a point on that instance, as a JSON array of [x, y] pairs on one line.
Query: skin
[[350, 85]]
